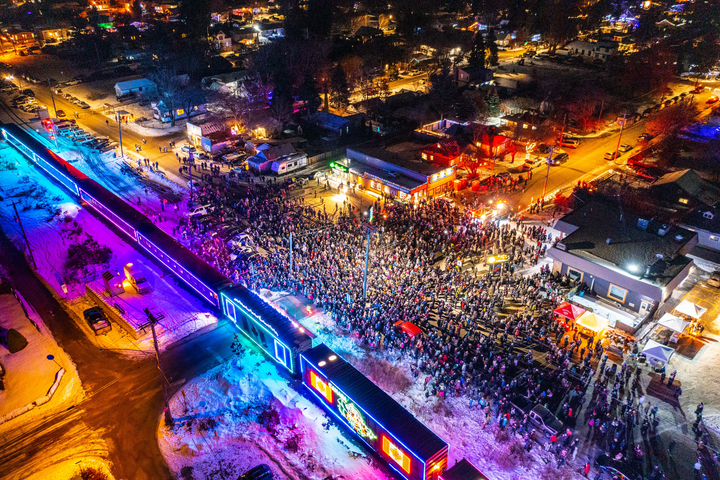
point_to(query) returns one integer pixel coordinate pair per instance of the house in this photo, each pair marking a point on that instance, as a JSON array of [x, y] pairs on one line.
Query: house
[[52, 35], [335, 124], [629, 265], [526, 121], [512, 81], [267, 155], [225, 82], [705, 222], [446, 153], [684, 189], [476, 75], [210, 136], [394, 173], [504, 39], [162, 112], [499, 146], [141, 87], [222, 42], [270, 30], [366, 33], [593, 51]]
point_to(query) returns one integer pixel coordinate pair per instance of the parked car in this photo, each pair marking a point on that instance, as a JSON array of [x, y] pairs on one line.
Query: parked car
[[712, 99], [137, 278], [97, 320], [73, 82], [570, 143], [28, 92], [60, 114], [199, 211], [611, 155], [545, 421], [622, 470], [261, 472], [83, 105], [645, 136], [625, 148]]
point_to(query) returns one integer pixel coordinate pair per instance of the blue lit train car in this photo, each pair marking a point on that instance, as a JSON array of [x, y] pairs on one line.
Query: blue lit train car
[[408, 446], [113, 208], [200, 276], [281, 338], [56, 167]]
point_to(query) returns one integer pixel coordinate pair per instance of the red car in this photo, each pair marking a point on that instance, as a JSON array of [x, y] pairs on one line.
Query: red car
[[712, 99]]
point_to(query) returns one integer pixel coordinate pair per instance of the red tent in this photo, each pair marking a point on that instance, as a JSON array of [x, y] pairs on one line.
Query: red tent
[[408, 327], [569, 311]]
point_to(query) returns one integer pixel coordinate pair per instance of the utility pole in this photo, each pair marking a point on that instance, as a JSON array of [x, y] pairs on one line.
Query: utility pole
[[52, 97], [622, 127], [22, 229], [153, 320], [369, 230], [290, 253], [119, 122]]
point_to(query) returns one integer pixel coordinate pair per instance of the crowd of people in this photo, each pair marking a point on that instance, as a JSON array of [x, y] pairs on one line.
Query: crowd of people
[[482, 329]]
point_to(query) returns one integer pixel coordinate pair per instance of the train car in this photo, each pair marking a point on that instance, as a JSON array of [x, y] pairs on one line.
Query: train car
[[112, 207], [49, 162], [190, 268], [280, 337], [401, 440]]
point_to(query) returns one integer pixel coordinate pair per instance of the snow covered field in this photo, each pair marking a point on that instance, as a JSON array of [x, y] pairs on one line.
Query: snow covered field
[[244, 413]]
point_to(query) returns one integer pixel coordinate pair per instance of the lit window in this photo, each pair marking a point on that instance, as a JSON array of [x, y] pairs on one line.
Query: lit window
[[321, 387], [684, 201], [397, 455], [715, 239], [617, 293]]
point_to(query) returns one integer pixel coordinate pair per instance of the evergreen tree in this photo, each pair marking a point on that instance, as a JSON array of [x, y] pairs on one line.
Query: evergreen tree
[[309, 94], [477, 53], [340, 88], [493, 54], [493, 104]]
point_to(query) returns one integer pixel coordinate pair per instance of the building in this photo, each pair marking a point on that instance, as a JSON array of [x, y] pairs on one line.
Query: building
[[445, 153], [276, 158], [366, 33], [52, 35], [210, 136], [684, 189], [226, 82], [630, 265], [163, 113], [705, 222], [140, 87], [396, 175], [270, 30], [593, 51], [222, 42], [525, 121], [472, 75], [336, 124]]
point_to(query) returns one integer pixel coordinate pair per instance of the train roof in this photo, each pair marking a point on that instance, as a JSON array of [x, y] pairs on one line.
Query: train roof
[[191, 262], [290, 333], [378, 404], [117, 205]]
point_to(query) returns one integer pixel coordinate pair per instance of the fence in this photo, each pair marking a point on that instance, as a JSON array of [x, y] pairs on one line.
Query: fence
[[323, 156]]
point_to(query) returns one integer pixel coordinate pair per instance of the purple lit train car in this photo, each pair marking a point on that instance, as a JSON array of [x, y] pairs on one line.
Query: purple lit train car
[[401, 440]]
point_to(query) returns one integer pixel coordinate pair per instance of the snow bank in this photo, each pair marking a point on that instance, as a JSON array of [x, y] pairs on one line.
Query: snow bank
[[244, 413]]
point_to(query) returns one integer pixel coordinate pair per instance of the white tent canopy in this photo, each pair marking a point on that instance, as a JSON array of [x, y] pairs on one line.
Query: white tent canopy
[[658, 351], [691, 309], [671, 322]]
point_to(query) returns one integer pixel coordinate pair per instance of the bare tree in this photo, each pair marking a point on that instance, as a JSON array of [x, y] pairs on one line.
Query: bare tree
[[169, 85]]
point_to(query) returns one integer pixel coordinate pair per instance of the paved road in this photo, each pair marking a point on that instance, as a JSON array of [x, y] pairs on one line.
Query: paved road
[[124, 397]]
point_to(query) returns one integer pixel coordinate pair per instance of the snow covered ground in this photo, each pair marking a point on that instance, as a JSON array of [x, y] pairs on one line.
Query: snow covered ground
[[55, 225], [244, 413]]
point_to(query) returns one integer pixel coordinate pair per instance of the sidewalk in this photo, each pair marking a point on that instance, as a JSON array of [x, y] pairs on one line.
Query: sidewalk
[[29, 374]]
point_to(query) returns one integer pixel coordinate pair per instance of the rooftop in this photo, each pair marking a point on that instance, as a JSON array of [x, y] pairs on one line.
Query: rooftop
[[400, 158], [692, 184], [622, 244]]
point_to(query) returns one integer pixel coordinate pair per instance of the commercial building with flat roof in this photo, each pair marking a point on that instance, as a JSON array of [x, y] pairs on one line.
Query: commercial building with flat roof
[[396, 174], [628, 262]]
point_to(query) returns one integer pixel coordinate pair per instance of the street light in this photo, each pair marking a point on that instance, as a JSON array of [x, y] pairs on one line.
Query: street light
[[119, 122]]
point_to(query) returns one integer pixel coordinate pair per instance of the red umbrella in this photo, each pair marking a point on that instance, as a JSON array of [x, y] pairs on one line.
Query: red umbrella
[[569, 311]]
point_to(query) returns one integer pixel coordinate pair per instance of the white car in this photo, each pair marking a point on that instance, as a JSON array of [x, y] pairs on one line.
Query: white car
[[199, 211]]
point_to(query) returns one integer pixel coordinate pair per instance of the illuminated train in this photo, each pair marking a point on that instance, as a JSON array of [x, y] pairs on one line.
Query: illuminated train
[[402, 441]]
